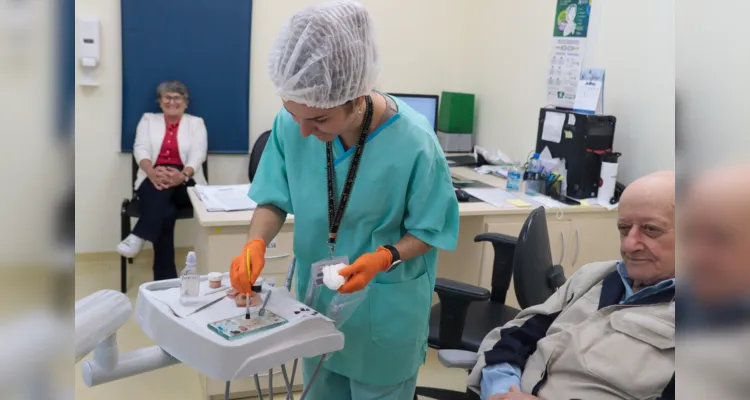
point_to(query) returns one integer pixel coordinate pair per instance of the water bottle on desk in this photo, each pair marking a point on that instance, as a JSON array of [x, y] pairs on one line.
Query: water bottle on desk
[[534, 176], [513, 182], [535, 164]]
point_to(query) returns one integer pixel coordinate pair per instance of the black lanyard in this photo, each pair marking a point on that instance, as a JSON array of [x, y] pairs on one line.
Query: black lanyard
[[336, 214]]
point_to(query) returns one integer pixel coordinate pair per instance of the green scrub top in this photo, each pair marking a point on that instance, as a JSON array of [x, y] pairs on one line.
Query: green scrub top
[[403, 186]]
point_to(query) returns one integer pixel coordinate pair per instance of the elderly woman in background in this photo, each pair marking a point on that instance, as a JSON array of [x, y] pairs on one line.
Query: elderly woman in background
[[170, 149]]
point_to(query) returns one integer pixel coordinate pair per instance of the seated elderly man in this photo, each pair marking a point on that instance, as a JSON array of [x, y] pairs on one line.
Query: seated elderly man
[[608, 332]]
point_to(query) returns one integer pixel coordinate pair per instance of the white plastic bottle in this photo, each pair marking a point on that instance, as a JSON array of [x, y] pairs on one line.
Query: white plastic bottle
[[190, 281], [513, 182]]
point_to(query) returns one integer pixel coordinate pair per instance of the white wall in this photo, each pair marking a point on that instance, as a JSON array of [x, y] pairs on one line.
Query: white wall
[[511, 41], [712, 83], [433, 28], [497, 49]]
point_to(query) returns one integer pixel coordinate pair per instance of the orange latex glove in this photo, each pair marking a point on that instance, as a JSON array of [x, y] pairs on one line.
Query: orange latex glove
[[241, 278], [364, 269]]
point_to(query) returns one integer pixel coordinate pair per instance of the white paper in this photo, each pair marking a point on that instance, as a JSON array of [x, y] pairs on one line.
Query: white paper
[[566, 60], [595, 202], [553, 125], [545, 154], [545, 201], [587, 95], [551, 164], [225, 198], [496, 197], [494, 170], [495, 157], [606, 205], [171, 297], [571, 119]]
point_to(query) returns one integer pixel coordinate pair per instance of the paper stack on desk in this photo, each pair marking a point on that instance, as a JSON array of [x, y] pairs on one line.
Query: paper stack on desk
[[499, 198], [225, 198], [502, 198]]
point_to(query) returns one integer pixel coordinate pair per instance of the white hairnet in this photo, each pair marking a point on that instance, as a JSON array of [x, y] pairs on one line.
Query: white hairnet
[[325, 55]]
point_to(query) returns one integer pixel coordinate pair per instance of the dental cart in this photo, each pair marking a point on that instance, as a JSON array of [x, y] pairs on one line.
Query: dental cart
[[187, 339]]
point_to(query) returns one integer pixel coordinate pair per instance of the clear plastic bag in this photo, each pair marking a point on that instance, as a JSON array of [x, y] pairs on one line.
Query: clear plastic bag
[[315, 283], [343, 306], [313, 293]]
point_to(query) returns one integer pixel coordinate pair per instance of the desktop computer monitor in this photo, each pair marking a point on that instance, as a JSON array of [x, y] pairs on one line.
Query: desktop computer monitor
[[425, 104]]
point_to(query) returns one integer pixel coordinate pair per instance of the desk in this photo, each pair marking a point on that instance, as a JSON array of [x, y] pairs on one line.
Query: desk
[[580, 236]]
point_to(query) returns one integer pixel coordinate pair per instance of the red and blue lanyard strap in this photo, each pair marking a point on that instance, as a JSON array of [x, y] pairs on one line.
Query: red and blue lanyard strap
[[336, 214]]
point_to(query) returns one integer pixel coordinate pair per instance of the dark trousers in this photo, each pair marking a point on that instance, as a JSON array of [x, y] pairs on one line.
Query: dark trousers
[[158, 210]]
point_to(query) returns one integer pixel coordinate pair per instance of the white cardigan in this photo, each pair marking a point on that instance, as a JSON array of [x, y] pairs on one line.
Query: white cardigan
[[191, 139]]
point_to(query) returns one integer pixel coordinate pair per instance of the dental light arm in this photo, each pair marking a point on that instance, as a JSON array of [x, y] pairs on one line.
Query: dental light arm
[[98, 317]]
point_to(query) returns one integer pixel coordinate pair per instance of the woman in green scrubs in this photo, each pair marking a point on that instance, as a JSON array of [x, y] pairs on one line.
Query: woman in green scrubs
[[371, 184]]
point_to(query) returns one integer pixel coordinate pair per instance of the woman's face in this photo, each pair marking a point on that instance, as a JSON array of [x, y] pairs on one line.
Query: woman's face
[[324, 124], [173, 104]]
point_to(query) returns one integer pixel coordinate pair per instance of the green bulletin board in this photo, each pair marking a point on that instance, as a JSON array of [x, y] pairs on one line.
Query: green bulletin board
[[572, 18]]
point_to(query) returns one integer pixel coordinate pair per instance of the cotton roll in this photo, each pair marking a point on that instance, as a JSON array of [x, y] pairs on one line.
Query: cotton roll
[[331, 277]]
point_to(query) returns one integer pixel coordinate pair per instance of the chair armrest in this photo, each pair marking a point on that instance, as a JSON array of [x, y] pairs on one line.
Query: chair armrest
[[124, 207], [452, 289], [458, 358], [455, 298], [496, 238], [504, 247]]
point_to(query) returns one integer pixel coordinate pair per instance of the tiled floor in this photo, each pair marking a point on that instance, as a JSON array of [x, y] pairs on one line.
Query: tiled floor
[[179, 382]]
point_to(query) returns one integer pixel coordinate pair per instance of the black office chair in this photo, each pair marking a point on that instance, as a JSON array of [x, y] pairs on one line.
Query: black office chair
[[129, 209], [467, 313], [256, 153]]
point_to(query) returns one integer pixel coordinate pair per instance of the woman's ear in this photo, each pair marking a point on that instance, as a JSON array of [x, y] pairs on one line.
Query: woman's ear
[[359, 104]]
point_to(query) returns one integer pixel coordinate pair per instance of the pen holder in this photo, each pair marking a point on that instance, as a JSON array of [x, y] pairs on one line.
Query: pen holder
[[535, 187], [553, 190]]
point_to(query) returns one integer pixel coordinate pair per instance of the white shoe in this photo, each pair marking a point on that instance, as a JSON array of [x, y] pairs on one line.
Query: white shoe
[[130, 247]]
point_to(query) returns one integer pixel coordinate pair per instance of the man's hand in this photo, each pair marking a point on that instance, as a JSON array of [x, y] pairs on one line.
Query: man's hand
[[514, 394]]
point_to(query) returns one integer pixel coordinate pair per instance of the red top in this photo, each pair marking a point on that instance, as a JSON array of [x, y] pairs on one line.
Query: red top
[[170, 153]]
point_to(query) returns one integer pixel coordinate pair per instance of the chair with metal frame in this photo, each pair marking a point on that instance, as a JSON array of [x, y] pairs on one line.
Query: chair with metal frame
[[130, 209]]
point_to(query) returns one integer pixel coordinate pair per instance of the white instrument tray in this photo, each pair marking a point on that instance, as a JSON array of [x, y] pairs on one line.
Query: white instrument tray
[[189, 339]]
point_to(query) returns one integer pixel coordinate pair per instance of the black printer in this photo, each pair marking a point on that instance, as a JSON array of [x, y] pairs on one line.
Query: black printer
[[582, 142]]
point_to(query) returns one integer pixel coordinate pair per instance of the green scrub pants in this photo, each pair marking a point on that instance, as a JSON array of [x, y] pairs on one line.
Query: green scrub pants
[[330, 385]]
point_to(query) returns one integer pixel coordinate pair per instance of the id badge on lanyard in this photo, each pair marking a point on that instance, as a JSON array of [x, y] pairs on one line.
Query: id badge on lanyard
[[315, 284], [336, 214]]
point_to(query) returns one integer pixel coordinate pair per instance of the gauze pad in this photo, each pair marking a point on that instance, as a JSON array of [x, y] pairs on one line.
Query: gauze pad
[[331, 277]]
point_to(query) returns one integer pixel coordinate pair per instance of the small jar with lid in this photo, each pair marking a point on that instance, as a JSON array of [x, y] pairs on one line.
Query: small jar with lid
[[214, 279]]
